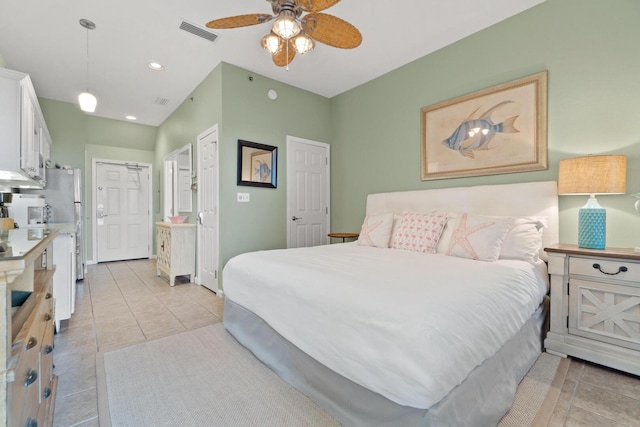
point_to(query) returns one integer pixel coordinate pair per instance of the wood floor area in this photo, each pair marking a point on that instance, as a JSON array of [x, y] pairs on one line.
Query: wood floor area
[[124, 303]]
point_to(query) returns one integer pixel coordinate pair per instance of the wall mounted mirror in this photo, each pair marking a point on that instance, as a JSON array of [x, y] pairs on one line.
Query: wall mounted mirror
[[257, 164], [177, 182]]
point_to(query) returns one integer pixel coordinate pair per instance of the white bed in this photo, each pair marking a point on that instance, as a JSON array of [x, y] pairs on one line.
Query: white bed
[[393, 337]]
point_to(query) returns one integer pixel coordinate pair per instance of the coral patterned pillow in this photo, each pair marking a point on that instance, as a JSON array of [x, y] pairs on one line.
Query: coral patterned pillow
[[376, 231], [419, 231], [478, 237]]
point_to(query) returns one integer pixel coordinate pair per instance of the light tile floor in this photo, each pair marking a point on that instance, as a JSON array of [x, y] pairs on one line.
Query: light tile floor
[[124, 303], [120, 304], [595, 396]]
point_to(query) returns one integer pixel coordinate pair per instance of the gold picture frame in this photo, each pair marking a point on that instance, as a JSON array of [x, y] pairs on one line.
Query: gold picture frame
[[498, 130]]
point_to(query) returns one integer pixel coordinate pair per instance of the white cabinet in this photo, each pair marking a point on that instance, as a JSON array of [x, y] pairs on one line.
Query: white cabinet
[[176, 250], [64, 279], [595, 305], [26, 141]]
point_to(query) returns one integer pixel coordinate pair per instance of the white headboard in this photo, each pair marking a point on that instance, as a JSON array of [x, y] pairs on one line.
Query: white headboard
[[522, 199]]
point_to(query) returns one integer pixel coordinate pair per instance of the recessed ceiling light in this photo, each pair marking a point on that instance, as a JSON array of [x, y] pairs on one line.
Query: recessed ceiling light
[[155, 66], [131, 117]]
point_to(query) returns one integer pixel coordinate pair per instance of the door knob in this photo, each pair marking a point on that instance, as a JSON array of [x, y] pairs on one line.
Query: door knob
[[295, 218]]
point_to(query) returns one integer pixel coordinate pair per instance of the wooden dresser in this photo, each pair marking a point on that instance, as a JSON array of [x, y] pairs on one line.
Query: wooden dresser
[[176, 250], [28, 385]]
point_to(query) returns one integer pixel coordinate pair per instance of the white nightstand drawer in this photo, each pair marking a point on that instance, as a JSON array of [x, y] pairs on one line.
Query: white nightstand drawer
[[602, 268]]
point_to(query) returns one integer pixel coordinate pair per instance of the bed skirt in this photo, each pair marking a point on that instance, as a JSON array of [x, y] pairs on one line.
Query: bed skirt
[[481, 400]]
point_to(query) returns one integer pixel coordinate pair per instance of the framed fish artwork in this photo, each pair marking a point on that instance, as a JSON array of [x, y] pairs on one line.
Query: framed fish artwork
[[257, 164], [498, 130]]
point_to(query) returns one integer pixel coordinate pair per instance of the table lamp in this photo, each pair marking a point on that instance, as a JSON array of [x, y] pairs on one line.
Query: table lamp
[[592, 175]]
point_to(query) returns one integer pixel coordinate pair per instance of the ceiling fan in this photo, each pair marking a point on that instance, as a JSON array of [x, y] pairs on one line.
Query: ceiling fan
[[292, 32]]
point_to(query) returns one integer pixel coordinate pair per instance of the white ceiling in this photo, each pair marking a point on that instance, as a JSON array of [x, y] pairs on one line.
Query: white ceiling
[[43, 38]]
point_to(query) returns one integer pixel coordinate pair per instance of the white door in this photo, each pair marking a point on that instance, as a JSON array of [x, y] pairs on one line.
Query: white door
[[122, 211], [307, 192], [208, 209]]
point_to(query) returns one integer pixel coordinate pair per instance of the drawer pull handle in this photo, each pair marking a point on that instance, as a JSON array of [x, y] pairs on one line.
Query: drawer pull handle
[[31, 423], [48, 296], [47, 317], [32, 343], [620, 270], [48, 349], [31, 377], [47, 392]]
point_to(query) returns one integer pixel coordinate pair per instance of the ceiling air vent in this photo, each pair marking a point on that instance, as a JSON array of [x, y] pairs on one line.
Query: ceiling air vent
[[198, 31], [161, 101]]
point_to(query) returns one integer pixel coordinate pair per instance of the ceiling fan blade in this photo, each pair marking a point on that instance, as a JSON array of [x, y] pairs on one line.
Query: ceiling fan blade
[[284, 56], [239, 21], [331, 30], [316, 5]]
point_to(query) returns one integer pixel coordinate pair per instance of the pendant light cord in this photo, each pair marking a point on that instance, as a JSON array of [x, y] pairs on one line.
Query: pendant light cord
[[87, 59]]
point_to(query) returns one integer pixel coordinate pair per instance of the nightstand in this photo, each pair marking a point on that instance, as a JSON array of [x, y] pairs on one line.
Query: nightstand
[[344, 236], [595, 305]]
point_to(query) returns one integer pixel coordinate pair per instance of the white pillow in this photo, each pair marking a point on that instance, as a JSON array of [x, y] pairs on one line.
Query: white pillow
[[478, 237], [524, 239], [419, 231], [376, 231]]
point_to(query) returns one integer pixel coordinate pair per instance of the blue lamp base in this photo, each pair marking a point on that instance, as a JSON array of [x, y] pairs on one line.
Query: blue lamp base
[[592, 228]]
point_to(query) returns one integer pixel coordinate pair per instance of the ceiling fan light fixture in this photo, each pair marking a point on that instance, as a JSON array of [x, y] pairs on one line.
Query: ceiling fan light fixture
[[286, 25], [303, 44], [87, 102], [272, 43]]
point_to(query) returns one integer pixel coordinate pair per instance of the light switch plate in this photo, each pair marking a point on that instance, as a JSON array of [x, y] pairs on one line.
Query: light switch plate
[[243, 197]]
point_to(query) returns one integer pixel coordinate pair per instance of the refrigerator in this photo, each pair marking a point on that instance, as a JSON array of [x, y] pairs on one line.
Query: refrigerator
[[63, 194]]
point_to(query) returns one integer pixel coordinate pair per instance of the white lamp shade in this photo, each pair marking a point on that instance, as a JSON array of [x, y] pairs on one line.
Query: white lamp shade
[[286, 25], [303, 44], [88, 102], [272, 43]]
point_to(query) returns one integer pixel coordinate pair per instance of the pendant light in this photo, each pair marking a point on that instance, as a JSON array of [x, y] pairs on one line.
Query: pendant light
[[87, 100]]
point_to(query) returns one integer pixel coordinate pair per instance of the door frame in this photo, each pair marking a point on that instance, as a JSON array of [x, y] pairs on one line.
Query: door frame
[[291, 140], [202, 135], [94, 202]]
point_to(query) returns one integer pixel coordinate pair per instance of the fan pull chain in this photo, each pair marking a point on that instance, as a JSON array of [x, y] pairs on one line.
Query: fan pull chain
[[287, 47]]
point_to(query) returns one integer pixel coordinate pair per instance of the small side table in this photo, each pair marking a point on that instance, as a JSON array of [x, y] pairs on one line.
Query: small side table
[[344, 236]]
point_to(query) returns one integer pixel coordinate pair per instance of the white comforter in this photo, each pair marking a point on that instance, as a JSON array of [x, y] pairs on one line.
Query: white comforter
[[407, 325]]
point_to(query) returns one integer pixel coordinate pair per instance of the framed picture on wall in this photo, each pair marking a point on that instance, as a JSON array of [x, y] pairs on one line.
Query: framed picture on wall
[[498, 130], [257, 164]]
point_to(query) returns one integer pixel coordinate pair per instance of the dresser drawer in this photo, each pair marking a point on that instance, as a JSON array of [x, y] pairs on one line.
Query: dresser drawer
[[601, 268], [23, 392]]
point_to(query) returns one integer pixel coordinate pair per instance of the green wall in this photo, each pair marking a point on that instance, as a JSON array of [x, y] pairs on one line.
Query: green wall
[[593, 108], [79, 137], [250, 115], [240, 107], [201, 110]]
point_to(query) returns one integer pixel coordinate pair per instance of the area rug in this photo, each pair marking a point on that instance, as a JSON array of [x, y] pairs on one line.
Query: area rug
[[203, 377]]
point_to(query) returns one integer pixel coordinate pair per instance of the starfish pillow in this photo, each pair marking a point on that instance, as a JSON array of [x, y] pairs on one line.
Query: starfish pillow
[[376, 231], [478, 237]]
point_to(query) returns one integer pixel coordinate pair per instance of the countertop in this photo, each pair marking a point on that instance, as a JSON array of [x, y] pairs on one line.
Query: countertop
[[18, 243]]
